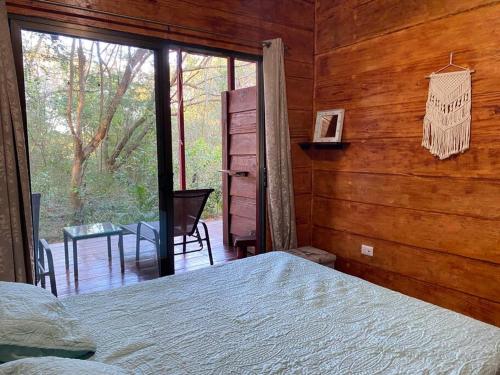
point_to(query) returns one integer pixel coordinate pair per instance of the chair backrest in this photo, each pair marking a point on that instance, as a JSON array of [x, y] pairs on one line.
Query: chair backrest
[[188, 207], [35, 214]]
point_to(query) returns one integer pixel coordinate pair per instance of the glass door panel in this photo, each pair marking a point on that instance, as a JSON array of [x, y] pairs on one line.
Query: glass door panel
[[92, 136], [197, 82]]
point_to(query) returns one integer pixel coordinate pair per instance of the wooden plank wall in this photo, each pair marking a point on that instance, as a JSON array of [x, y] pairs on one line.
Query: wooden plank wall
[[230, 24], [434, 225]]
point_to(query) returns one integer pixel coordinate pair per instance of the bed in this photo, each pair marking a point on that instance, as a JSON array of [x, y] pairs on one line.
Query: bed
[[276, 313]]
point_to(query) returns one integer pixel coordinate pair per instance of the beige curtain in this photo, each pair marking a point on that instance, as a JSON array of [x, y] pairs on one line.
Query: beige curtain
[[280, 199], [15, 207]]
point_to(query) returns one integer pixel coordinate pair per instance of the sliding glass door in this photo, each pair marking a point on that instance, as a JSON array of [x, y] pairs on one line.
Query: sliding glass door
[[105, 114], [98, 134]]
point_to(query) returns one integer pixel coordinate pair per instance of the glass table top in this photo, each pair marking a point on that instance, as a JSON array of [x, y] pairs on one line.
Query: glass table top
[[93, 230]]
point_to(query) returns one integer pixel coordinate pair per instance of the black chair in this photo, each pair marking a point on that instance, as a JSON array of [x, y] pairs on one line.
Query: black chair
[[41, 248], [45, 270], [188, 207]]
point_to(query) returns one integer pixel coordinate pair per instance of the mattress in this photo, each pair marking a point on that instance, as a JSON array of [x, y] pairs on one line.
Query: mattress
[[276, 313]]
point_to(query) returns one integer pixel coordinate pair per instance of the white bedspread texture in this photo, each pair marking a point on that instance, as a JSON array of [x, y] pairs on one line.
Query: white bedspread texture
[[275, 314]]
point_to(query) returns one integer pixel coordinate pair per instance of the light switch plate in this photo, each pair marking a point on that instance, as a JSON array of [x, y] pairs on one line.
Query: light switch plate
[[367, 250]]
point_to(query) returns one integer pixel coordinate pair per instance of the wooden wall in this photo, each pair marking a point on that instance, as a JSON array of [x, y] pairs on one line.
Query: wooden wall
[[434, 225], [230, 24]]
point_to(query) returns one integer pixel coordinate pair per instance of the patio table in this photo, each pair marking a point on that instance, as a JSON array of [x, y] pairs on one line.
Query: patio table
[[81, 232]]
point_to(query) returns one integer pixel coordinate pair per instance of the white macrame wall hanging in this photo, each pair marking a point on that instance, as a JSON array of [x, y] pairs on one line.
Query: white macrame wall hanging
[[448, 112]]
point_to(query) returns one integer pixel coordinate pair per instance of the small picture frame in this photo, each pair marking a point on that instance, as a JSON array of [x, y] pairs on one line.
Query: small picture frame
[[329, 125]]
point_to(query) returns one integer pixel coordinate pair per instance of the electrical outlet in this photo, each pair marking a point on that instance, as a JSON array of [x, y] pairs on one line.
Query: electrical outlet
[[367, 250]]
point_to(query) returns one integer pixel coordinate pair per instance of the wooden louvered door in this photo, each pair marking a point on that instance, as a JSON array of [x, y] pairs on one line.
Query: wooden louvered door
[[240, 161]]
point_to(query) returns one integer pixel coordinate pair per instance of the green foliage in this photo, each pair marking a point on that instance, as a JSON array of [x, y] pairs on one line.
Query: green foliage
[[127, 190], [202, 172]]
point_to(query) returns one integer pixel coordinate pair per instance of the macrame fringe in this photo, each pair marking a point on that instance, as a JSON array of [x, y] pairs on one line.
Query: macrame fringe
[[447, 142], [447, 119]]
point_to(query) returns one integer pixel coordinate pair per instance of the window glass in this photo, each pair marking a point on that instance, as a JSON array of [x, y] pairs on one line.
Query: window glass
[[245, 74]]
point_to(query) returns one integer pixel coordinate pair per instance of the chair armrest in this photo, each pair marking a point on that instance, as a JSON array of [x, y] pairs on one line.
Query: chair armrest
[[49, 271], [155, 232], [194, 218], [48, 251], [148, 226]]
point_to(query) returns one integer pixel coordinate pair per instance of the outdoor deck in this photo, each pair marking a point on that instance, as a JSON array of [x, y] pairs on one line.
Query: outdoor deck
[[96, 273]]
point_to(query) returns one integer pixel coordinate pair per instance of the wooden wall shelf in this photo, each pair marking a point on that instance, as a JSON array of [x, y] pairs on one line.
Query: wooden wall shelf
[[323, 145]]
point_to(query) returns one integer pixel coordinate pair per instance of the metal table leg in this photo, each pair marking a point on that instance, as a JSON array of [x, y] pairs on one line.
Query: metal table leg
[[75, 260], [66, 256], [120, 248], [109, 248]]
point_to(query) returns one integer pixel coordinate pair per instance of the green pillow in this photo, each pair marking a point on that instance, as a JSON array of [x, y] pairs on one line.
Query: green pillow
[[35, 323], [59, 366]]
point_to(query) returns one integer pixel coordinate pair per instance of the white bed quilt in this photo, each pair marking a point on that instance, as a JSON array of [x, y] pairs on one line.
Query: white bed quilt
[[277, 314]]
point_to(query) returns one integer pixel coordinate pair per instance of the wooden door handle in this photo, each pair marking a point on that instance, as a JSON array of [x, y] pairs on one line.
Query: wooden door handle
[[234, 173]]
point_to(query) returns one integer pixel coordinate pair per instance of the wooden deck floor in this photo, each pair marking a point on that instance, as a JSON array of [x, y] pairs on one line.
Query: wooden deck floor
[[96, 273]]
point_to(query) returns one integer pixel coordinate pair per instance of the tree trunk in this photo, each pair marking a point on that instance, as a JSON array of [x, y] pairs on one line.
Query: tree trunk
[[75, 115], [76, 186], [105, 154], [77, 165], [121, 145]]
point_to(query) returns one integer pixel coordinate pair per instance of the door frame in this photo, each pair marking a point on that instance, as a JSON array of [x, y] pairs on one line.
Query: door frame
[[160, 48]]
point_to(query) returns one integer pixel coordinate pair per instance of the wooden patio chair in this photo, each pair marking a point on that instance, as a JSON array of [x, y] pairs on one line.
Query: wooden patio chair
[[188, 207]]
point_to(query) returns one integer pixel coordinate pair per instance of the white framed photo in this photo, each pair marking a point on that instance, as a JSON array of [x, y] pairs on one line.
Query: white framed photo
[[329, 125]]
